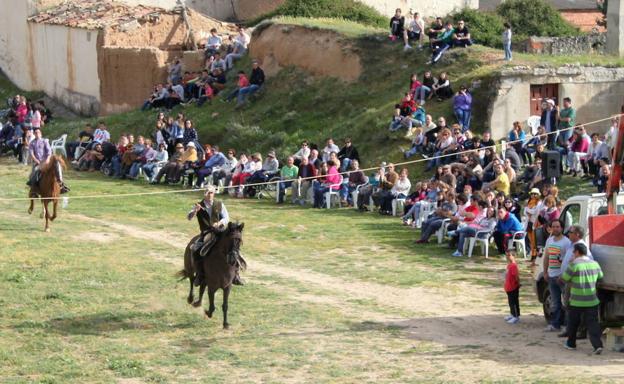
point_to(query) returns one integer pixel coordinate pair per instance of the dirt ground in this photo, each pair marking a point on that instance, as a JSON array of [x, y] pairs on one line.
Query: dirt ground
[[452, 322]]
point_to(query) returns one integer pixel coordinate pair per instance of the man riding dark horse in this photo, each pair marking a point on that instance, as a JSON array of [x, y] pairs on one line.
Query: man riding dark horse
[[213, 217], [40, 152]]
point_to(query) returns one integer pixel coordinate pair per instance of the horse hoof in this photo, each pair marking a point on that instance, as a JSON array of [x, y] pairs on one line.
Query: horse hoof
[[30, 211], [226, 326], [52, 218], [47, 229], [208, 313], [189, 299], [196, 303]]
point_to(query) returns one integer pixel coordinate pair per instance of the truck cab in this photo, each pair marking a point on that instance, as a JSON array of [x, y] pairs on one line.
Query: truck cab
[[609, 253]]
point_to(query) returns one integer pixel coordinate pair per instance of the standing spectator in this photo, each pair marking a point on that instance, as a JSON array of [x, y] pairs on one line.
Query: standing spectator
[[582, 274], [549, 121], [347, 154], [462, 106], [461, 35], [507, 41], [612, 133], [531, 213], [175, 71], [556, 247], [512, 288], [241, 41], [567, 120]]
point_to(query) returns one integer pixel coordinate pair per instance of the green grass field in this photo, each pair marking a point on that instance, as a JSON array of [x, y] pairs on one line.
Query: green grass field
[[331, 297]]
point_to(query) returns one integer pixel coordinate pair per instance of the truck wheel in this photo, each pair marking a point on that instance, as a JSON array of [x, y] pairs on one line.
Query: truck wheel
[[547, 305]]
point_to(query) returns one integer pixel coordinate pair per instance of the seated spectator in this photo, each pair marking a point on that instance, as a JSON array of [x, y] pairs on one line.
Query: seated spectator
[[269, 168], [303, 152], [314, 158], [243, 170], [132, 155], [467, 211], [416, 30], [225, 171], [397, 28], [442, 43], [176, 95], [329, 148], [431, 193], [330, 181], [243, 82], [462, 106], [300, 186], [85, 137], [213, 44], [92, 159], [116, 162], [256, 81], [508, 169], [602, 178], [442, 146], [217, 63], [399, 190], [513, 207], [597, 150], [442, 87], [101, 134], [356, 179], [434, 30], [217, 160], [461, 35], [514, 158], [446, 209], [418, 143], [217, 80], [146, 156], [207, 94], [387, 180], [158, 99], [288, 173], [481, 223], [397, 119], [172, 169], [517, 140], [427, 83], [241, 41], [175, 71], [507, 225], [189, 133], [501, 181], [159, 160], [347, 154]]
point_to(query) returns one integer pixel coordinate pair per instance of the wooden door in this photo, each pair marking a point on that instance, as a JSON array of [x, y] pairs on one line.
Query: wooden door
[[541, 92]]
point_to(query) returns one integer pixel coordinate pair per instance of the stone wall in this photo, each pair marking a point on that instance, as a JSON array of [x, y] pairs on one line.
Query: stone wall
[[596, 93], [574, 45]]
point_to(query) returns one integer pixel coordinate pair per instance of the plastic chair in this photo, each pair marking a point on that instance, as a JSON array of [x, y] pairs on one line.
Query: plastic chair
[[442, 231], [59, 145], [484, 242], [518, 241], [426, 208], [397, 205], [356, 193], [534, 123], [333, 192]]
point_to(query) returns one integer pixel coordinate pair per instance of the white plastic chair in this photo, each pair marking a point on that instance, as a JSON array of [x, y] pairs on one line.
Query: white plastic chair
[[333, 192], [442, 231], [397, 205], [356, 193], [517, 241], [533, 122], [59, 145], [426, 207], [484, 242]]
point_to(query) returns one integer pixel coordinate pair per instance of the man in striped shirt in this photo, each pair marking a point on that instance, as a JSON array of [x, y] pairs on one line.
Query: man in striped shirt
[[554, 252], [582, 274]]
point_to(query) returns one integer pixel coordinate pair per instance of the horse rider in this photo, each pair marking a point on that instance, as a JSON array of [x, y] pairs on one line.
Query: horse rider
[[40, 153], [213, 217]]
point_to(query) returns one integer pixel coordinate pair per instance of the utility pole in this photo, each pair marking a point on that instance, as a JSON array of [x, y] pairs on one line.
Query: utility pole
[[615, 32]]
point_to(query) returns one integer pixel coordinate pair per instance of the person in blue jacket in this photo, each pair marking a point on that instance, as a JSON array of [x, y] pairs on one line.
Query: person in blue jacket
[[507, 225]]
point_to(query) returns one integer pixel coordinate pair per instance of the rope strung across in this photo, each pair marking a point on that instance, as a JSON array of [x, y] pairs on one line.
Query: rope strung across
[[346, 173]]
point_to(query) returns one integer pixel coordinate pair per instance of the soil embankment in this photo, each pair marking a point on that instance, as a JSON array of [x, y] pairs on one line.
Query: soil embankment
[[322, 53]]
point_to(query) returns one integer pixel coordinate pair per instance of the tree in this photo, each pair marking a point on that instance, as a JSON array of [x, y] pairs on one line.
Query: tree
[[602, 6]]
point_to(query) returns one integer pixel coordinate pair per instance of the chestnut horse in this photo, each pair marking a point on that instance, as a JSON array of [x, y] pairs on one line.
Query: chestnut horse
[[219, 268], [48, 189]]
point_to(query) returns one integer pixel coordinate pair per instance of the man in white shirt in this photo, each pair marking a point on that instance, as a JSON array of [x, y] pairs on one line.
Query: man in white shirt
[[213, 44], [329, 148], [415, 30], [241, 41]]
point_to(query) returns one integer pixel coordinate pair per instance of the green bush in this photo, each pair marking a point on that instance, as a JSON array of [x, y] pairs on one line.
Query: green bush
[[338, 9], [535, 18], [486, 28]]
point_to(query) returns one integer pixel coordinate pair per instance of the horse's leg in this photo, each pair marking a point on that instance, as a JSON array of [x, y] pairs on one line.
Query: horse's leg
[[189, 299], [198, 302], [46, 214], [226, 295], [54, 205], [32, 203], [211, 297]]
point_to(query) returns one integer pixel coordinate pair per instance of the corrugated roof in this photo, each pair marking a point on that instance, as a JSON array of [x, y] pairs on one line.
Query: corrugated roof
[[489, 5], [95, 14]]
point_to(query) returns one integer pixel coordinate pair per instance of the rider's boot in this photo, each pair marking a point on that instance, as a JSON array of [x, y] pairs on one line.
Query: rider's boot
[[199, 271]]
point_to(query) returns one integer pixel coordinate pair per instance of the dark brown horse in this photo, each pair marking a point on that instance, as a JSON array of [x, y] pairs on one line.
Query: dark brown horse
[[219, 268], [48, 189]]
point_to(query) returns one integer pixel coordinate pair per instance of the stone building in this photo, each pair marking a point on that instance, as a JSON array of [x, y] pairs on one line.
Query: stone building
[[95, 57]]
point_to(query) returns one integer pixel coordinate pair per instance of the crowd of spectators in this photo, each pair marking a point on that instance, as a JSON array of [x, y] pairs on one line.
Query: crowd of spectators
[[17, 123]]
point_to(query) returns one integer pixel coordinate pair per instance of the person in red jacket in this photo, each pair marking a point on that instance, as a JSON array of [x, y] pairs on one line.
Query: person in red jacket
[[512, 288], [243, 82]]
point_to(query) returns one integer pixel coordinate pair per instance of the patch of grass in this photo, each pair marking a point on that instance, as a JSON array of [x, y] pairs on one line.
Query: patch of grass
[[346, 27]]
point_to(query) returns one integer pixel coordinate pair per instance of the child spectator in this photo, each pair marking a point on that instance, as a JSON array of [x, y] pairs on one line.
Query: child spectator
[[242, 83], [507, 41], [512, 288], [256, 80]]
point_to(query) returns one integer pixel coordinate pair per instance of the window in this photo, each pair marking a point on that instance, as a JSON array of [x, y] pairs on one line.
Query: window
[[571, 215]]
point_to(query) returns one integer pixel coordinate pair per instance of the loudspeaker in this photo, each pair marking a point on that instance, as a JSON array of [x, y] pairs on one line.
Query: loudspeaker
[[551, 164]]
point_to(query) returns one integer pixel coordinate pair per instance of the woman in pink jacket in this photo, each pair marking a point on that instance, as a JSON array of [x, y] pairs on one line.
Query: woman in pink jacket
[[332, 180]]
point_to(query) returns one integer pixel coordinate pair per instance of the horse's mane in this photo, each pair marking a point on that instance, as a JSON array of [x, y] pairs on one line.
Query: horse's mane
[[52, 163]]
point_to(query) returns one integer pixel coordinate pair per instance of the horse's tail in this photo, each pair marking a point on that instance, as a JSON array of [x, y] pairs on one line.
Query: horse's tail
[[182, 274]]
